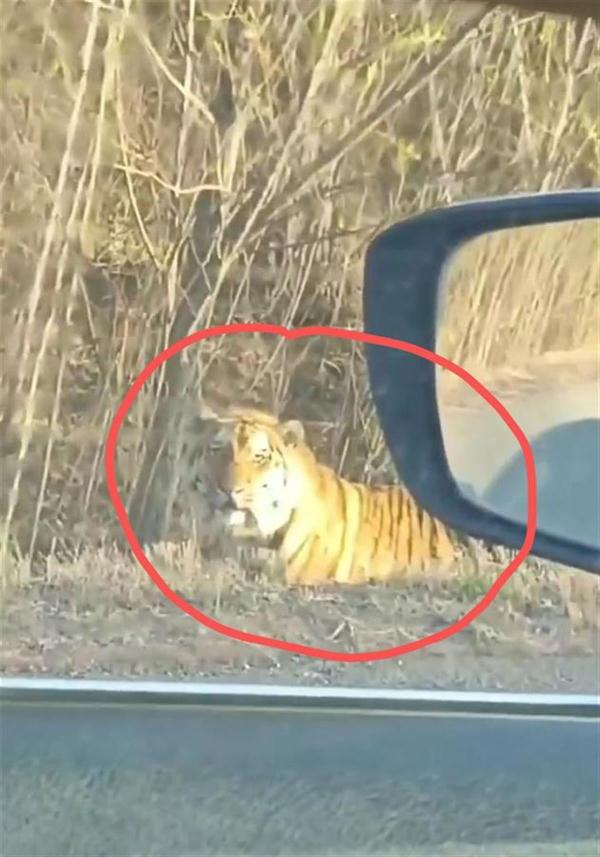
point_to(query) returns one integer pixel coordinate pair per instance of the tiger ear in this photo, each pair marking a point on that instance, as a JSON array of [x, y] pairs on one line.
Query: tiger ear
[[292, 432]]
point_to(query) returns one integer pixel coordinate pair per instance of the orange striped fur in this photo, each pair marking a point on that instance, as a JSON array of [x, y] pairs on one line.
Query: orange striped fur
[[324, 527]]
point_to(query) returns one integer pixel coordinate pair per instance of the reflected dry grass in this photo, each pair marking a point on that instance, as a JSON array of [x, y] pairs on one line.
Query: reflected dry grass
[[525, 299]]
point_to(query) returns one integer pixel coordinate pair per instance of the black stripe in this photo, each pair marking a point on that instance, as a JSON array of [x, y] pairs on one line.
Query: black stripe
[[421, 520], [394, 516], [381, 506], [342, 493], [291, 558], [411, 529], [401, 499], [393, 519], [360, 507], [277, 538]]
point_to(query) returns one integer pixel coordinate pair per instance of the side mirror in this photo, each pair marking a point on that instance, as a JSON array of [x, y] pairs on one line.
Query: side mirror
[[509, 289]]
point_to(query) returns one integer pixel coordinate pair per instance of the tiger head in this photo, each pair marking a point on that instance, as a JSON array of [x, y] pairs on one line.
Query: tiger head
[[252, 468]]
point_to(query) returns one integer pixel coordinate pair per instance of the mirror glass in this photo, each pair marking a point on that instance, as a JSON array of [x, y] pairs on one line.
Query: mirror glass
[[520, 310]]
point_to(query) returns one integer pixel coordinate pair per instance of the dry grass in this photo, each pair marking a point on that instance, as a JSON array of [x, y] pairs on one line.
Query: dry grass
[[170, 164], [521, 311], [99, 614], [516, 297]]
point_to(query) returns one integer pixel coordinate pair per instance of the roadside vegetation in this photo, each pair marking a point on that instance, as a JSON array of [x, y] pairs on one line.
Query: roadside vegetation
[[169, 165]]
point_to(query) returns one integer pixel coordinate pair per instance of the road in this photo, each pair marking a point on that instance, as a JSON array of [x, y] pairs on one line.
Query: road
[[479, 445], [181, 779]]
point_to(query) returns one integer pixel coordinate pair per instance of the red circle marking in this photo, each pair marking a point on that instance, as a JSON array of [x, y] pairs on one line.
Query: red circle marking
[[356, 336]]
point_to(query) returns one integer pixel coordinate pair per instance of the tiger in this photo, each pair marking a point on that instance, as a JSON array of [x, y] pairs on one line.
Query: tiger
[[264, 481]]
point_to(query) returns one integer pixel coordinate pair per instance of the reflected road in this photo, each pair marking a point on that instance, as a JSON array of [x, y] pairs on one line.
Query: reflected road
[[484, 455]]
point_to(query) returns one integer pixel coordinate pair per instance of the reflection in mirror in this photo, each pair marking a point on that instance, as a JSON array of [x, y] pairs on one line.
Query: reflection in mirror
[[521, 312]]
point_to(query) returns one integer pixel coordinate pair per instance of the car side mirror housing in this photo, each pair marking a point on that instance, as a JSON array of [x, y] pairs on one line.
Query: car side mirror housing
[[508, 289]]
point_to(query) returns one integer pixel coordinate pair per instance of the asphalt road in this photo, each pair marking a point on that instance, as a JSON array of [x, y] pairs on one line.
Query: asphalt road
[[563, 427], [103, 779]]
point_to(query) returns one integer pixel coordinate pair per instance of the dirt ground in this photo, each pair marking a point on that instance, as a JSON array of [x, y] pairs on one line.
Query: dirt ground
[[100, 615]]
